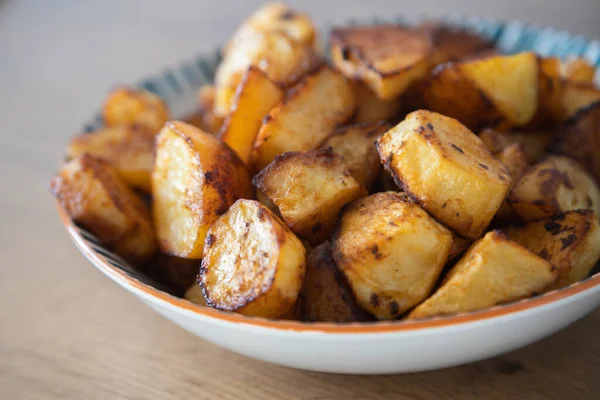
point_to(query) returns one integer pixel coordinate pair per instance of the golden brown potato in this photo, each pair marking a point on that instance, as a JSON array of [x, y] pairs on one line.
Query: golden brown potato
[[205, 118], [325, 294], [578, 70], [356, 143], [252, 263], [390, 251], [256, 95], [128, 148], [194, 294], [580, 139], [195, 179], [555, 185], [510, 82], [129, 106], [447, 169], [570, 241], [533, 144], [515, 160], [310, 189], [574, 97], [388, 58], [96, 197], [180, 273], [494, 271], [548, 94], [310, 111], [371, 108]]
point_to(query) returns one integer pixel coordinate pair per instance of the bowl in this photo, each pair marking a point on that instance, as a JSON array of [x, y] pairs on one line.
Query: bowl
[[361, 348]]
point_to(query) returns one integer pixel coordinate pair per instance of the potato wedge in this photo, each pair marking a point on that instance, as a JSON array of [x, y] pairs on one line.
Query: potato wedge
[[129, 106], [580, 139], [510, 82], [555, 185], [128, 148], [310, 111], [447, 169], [388, 58], [533, 144], [325, 294], [96, 197], [194, 295], [256, 95], [390, 251], [570, 241], [180, 273], [195, 179], [574, 97], [577, 70], [515, 160], [371, 108], [494, 271], [252, 263], [310, 189], [356, 143]]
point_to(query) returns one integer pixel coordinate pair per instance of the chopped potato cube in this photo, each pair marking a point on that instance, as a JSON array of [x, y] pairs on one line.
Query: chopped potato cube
[[371, 108], [574, 97], [578, 70], [129, 106], [533, 144]]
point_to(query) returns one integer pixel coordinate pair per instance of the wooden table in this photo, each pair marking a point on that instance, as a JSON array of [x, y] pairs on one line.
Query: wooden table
[[67, 332]]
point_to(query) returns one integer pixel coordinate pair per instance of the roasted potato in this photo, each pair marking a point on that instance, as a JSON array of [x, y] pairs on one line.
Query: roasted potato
[[128, 148], [129, 106], [205, 118], [325, 294], [533, 144], [574, 97], [387, 58], [578, 70], [494, 271], [555, 185], [371, 108], [256, 95], [570, 241], [96, 197], [179, 273], [252, 263], [356, 143], [515, 160], [194, 295], [265, 201], [310, 111], [510, 82], [446, 169], [390, 251], [309, 189], [195, 179], [580, 139]]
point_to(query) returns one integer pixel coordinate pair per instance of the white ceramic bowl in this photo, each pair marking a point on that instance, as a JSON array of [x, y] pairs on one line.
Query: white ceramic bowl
[[365, 348]]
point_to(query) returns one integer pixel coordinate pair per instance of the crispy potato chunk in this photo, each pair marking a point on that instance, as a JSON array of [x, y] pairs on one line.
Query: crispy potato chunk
[[195, 179], [390, 251], [388, 58], [180, 273], [510, 82], [552, 186], [310, 111], [578, 70], [128, 148], [252, 263], [96, 197], [515, 160], [194, 295], [447, 169], [494, 271], [255, 97], [356, 143], [325, 294], [570, 241], [310, 189], [580, 139], [533, 144], [574, 97], [129, 106], [371, 108]]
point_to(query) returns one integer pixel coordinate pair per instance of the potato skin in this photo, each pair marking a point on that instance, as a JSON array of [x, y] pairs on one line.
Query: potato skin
[[374, 247], [446, 169], [356, 143], [310, 111], [495, 270], [570, 241], [195, 179], [129, 106], [252, 263], [325, 293], [309, 189], [387, 58], [96, 197], [555, 185]]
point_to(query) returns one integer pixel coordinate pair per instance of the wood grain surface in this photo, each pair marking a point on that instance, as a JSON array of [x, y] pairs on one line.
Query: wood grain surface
[[67, 332]]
